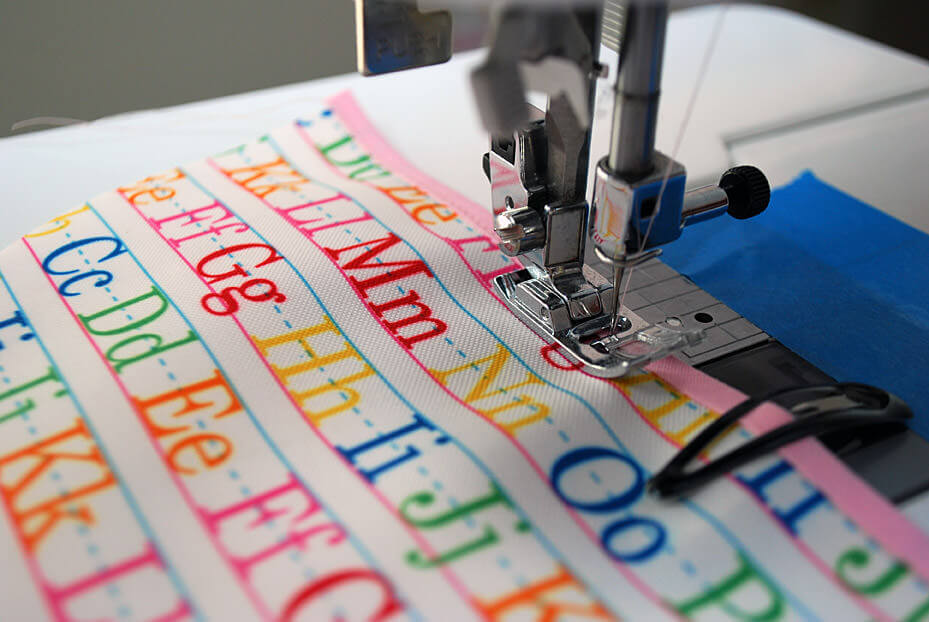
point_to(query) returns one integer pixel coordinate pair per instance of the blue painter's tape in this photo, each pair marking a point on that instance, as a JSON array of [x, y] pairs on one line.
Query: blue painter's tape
[[835, 280]]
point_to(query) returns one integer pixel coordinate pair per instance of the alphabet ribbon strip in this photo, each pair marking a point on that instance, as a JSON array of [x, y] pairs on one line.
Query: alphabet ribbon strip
[[277, 384]]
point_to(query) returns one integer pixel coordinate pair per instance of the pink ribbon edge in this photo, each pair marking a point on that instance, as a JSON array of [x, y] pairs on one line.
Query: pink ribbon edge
[[345, 105], [856, 499]]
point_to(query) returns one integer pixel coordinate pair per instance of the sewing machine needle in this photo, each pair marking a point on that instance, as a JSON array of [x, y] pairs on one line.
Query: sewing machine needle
[[617, 283]]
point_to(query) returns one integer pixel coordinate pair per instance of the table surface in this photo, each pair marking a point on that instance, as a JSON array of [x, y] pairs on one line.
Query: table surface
[[781, 92]]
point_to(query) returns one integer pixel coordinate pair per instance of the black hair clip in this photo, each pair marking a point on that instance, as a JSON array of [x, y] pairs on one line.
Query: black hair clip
[[833, 412]]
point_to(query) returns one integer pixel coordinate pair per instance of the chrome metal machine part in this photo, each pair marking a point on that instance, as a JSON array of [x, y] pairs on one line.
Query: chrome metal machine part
[[392, 36], [639, 199]]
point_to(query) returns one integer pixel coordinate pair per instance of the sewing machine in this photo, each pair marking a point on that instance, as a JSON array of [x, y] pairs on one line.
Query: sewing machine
[[591, 281], [575, 254]]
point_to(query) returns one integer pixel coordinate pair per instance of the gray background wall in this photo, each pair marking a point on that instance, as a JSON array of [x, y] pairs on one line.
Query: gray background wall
[[91, 58]]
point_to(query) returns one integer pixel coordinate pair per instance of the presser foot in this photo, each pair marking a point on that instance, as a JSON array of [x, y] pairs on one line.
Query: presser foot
[[581, 325]]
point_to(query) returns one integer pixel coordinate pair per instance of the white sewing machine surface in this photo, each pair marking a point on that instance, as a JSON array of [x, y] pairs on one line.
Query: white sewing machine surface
[[764, 101]]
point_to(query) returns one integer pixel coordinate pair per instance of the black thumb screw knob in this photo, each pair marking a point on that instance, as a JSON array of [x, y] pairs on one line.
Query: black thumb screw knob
[[748, 191]]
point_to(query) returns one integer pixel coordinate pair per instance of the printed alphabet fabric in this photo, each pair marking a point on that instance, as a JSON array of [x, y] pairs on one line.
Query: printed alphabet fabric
[[276, 384]]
